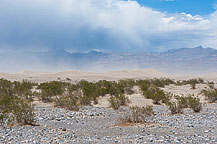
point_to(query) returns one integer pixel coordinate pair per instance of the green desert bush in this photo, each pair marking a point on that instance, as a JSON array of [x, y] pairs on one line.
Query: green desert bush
[[193, 85], [175, 108], [210, 94], [124, 100], [51, 89], [89, 93], [127, 85], [114, 102], [23, 112], [192, 82], [68, 102], [184, 102], [162, 82], [151, 90], [211, 84], [117, 101], [23, 89], [15, 104], [195, 104], [156, 94], [138, 115], [103, 87], [190, 101]]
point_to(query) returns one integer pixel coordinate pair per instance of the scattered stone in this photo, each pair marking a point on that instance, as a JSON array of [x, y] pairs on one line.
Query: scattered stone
[[96, 125]]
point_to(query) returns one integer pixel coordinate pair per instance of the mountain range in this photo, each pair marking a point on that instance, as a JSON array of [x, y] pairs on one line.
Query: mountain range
[[176, 61]]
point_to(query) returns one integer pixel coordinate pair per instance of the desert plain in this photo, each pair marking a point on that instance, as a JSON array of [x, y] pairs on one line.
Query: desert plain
[[99, 123]]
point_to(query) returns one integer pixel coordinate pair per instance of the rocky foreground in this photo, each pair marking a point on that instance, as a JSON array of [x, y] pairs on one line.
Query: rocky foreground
[[102, 125]]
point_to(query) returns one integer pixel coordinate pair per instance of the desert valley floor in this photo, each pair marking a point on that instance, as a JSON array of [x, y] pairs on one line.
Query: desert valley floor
[[101, 124]]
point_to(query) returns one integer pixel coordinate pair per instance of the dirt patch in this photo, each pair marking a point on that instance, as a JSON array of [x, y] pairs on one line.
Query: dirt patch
[[128, 124]]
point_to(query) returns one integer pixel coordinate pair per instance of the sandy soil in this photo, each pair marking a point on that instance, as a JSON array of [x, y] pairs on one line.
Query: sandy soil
[[136, 99]]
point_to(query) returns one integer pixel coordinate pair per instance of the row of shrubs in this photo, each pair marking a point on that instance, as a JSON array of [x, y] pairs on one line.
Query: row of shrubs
[[86, 93], [16, 97], [192, 82], [73, 96], [142, 115], [181, 102]]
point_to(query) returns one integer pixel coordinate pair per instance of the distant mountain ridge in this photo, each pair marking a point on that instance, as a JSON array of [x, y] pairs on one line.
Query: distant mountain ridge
[[177, 61]]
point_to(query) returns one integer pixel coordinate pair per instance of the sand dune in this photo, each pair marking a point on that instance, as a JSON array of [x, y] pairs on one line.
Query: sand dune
[[94, 76], [78, 75]]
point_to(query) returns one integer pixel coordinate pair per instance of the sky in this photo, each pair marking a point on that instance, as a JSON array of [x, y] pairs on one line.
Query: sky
[[107, 25], [193, 7]]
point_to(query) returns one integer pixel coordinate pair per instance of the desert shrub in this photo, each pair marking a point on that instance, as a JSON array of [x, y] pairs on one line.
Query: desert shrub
[[201, 81], [23, 112], [192, 82], [89, 93], [114, 102], [103, 87], [138, 115], [127, 85], [182, 101], [189, 102], [151, 90], [167, 97], [211, 85], [116, 89], [3, 118], [68, 102], [193, 85], [144, 84], [162, 82], [175, 108], [15, 106], [123, 99], [156, 94], [6, 87], [195, 104], [23, 89], [50, 89], [210, 94], [73, 96], [117, 101]]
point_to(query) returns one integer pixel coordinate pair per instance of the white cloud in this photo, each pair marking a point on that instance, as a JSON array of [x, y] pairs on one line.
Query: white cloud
[[100, 24]]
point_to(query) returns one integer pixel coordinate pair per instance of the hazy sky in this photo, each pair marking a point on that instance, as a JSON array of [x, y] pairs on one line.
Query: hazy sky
[[107, 25]]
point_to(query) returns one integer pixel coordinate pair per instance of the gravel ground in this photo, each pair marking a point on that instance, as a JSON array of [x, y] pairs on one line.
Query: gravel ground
[[97, 125]]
